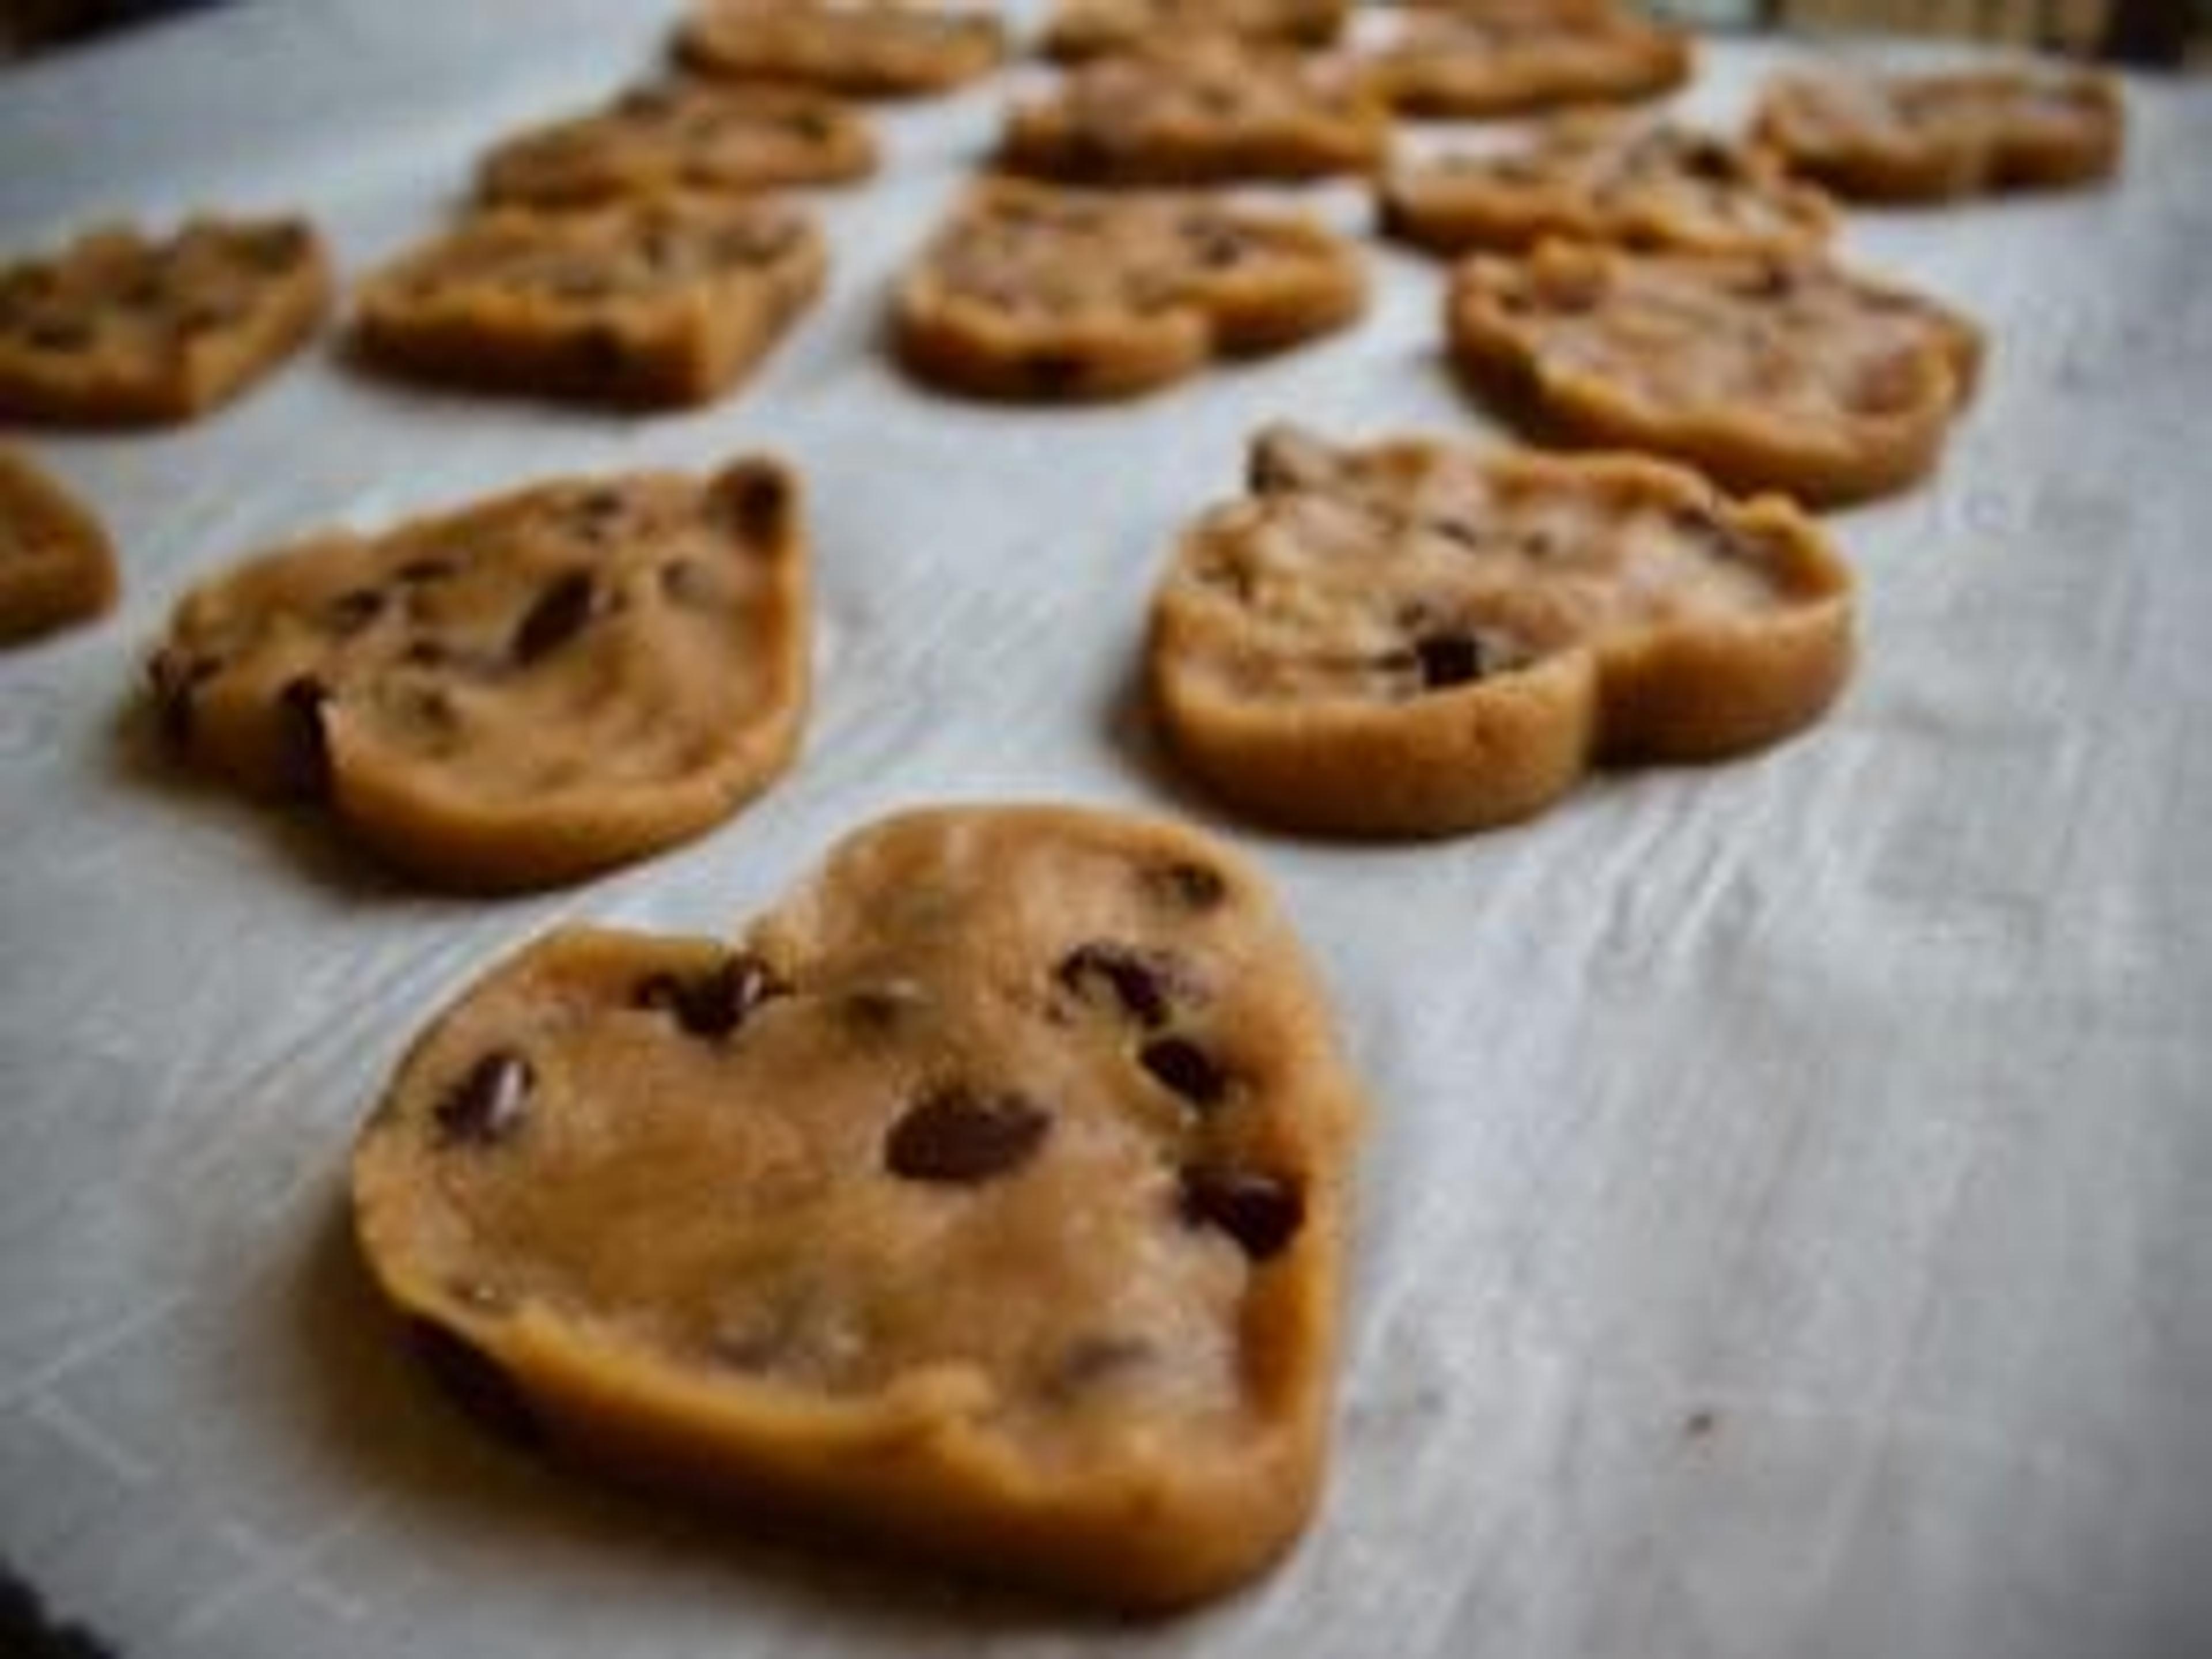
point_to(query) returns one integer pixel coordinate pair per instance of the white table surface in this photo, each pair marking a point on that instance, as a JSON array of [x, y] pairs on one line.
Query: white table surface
[[1787, 1225]]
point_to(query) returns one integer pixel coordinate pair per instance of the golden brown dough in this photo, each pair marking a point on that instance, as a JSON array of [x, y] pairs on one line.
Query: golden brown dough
[[1038, 293], [870, 48], [119, 329], [1420, 637], [650, 301], [988, 1200], [523, 692], [56, 565], [1768, 371], [1205, 111], [1916, 138]]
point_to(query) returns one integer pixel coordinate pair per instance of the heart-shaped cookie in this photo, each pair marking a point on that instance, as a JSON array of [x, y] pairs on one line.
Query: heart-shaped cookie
[[988, 1200], [523, 692], [1038, 293], [1423, 637]]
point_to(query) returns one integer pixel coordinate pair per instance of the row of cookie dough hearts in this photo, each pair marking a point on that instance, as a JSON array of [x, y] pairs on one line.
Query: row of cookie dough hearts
[[1418, 638]]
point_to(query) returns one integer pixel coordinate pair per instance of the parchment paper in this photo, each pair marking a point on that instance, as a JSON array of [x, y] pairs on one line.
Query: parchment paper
[[1788, 1224]]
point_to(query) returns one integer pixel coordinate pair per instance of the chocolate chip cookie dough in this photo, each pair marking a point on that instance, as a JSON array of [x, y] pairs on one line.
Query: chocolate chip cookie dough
[[1032, 292], [988, 1200], [1492, 57], [1205, 112], [870, 48], [521, 693], [1922, 138], [1077, 29], [683, 135], [56, 565], [1419, 637], [653, 301], [122, 329], [1769, 371], [1605, 178]]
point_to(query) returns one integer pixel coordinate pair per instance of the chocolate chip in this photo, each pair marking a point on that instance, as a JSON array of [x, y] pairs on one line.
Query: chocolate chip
[[957, 1135], [353, 610], [1454, 657], [273, 249], [1139, 981], [1055, 374], [303, 742], [756, 499], [1215, 243], [1089, 1361], [427, 569], [487, 1106], [1772, 280], [59, 333], [475, 1382], [1262, 1212], [1186, 1068], [1192, 887], [176, 677], [716, 1003], [557, 616]]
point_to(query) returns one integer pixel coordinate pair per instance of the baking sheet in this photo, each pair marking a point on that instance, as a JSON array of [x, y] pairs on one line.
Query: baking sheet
[[1787, 1225]]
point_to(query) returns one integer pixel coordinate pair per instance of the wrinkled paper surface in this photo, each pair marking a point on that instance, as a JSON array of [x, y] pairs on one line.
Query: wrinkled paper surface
[[1787, 1226]]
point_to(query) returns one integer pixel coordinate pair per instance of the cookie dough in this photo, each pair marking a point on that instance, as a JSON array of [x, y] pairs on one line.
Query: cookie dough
[[683, 135], [123, 329], [1077, 29], [1605, 178], [1769, 371], [988, 1200], [1205, 112], [1419, 638], [1489, 58], [56, 565], [1922, 138], [1033, 292], [521, 693], [870, 48], [653, 300]]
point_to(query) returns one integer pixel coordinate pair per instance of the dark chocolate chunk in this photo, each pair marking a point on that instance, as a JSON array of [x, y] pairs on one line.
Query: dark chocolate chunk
[[1262, 1212], [303, 742], [477, 1385], [1192, 887], [557, 616], [487, 1106], [59, 333], [354, 610], [682, 582], [176, 677], [1140, 982], [756, 499], [1187, 1069], [958, 1135], [716, 1003], [1452, 656]]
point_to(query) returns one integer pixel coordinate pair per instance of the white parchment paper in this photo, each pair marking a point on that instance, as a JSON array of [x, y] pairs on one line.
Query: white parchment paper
[[1788, 1224]]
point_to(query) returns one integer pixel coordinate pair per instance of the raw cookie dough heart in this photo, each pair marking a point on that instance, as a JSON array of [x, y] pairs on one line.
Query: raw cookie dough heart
[[682, 135], [870, 48], [1422, 637], [1038, 293], [988, 1200], [1922, 137], [1766, 371], [1077, 29], [1205, 112], [652, 300], [56, 565], [1605, 178], [523, 692], [122, 329]]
